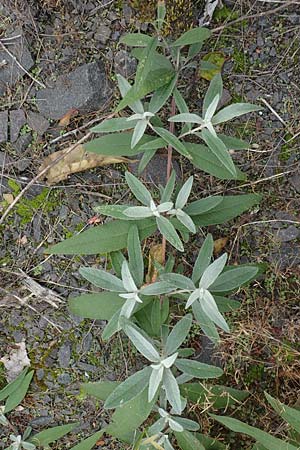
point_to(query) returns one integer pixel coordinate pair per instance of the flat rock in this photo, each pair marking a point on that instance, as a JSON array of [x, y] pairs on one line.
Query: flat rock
[[295, 180], [17, 120], [85, 89], [3, 126], [125, 64], [288, 234], [37, 122], [11, 72]]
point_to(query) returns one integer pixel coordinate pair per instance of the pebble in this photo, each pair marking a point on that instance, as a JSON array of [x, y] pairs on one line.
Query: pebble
[[64, 355], [17, 120], [3, 126]]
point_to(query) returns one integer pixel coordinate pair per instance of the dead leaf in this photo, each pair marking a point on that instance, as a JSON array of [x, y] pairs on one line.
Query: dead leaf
[[66, 118], [9, 198], [22, 240], [219, 244], [15, 362], [212, 64], [155, 254], [75, 161], [209, 10]]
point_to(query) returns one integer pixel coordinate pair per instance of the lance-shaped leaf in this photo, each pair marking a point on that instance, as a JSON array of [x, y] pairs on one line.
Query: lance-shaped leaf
[[233, 278], [212, 272], [124, 87], [203, 258], [183, 108], [192, 36], [206, 324], [197, 369], [144, 65], [219, 150], [138, 132], [158, 288], [184, 193], [155, 381], [112, 327], [138, 189], [187, 118], [178, 334], [188, 441], [267, 440], [13, 385], [16, 396], [187, 424], [112, 125], [90, 442], [102, 279], [117, 259], [203, 205], [142, 343], [129, 389], [169, 188], [162, 94], [172, 140], [101, 305], [127, 279], [233, 143], [46, 437], [136, 262], [232, 111], [215, 88], [146, 158], [291, 415], [172, 391], [116, 144], [176, 280], [136, 39], [168, 231], [210, 308]]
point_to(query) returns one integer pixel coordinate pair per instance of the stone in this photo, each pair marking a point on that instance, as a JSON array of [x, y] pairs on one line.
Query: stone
[[3, 126], [64, 355], [17, 120], [22, 142], [155, 171], [64, 378], [37, 122], [85, 89], [125, 64], [11, 72], [288, 234], [102, 34], [295, 180]]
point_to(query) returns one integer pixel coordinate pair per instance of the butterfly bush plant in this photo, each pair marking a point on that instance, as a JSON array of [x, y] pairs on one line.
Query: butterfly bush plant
[[151, 406]]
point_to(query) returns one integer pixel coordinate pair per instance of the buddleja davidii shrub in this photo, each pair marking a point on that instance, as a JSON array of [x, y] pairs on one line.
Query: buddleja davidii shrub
[[143, 312]]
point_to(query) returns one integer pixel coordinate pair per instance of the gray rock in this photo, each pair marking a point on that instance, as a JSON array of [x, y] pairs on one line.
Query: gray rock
[[85, 89], [102, 34], [40, 421], [125, 64], [295, 180], [64, 355], [40, 373], [288, 234], [86, 367], [3, 126], [64, 378], [17, 120], [225, 99], [22, 142], [37, 122], [11, 71]]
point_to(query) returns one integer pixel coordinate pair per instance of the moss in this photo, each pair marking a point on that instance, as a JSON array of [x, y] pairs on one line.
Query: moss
[[225, 13]]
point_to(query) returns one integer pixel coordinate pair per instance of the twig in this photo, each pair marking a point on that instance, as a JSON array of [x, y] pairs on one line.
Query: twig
[[20, 65], [273, 111], [255, 16], [39, 175]]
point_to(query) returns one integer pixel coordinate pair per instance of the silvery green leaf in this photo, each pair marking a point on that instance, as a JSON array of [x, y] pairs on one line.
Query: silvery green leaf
[[172, 390], [169, 188], [212, 272], [27, 433], [129, 389], [172, 140], [127, 308], [192, 298], [187, 117], [28, 446], [157, 288], [210, 308], [184, 193], [211, 129], [138, 132], [112, 125], [176, 280], [112, 326], [232, 111], [142, 344], [219, 150], [154, 382], [169, 361], [168, 445], [178, 334], [157, 427], [184, 378], [162, 94], [198, 369], [3, 420], [124, 87], [183, 108], [174, 425], [139, 212], [102, 279], [215, 88], [186, 220], [187, 424], [203, 258], [136, 261], [138, 189], [146, 158], [168, 231], [127, 279], [212, 108], [164, 207], [207, 326]]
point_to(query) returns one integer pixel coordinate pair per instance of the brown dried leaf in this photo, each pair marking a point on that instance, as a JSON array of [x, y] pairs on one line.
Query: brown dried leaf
[[219, 244], [65, 120], [75, 161], [155, 254]]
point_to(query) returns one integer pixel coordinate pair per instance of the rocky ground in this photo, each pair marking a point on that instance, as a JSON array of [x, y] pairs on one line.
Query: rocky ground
[[57, 65]]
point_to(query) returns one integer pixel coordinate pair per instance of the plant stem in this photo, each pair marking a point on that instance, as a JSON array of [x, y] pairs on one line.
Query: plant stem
[[169, 167]]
